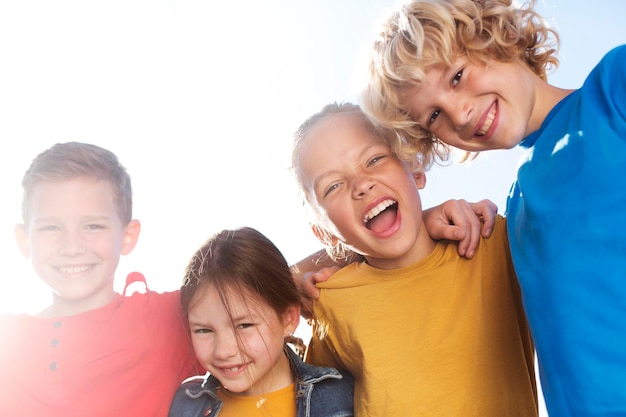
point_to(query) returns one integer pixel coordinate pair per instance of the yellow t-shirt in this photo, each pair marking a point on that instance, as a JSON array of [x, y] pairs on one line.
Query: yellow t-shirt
[[281, 403], [444, 337]]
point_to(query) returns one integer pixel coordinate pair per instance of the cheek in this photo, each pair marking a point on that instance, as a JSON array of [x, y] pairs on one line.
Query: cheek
[[202, 348], [40, 245], [446, 135], [339, 211], [106, 247]]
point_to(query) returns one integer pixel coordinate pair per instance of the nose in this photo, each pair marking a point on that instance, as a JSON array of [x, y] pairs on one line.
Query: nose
[[459, 112], [226, 345], [362, 185], [72, 243]]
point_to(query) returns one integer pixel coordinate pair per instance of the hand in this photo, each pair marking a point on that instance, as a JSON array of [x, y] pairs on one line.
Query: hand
[[461, 221], [309, 292]]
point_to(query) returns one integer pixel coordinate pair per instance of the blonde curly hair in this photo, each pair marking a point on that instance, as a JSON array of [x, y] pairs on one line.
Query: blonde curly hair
[[428, 33]]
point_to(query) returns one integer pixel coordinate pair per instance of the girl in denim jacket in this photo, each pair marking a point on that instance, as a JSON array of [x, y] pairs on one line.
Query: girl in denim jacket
[[241, 303]]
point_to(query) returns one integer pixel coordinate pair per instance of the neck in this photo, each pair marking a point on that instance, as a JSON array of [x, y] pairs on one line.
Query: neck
[[422, 248], [547, 97], [281, 377], [63, 307]]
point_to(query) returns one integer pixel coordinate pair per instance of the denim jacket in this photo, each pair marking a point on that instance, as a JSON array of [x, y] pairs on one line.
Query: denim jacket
[[320, 392]]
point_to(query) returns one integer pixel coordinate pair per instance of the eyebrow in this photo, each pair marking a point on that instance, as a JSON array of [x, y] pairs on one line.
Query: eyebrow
[[45, 219], [363, 152]]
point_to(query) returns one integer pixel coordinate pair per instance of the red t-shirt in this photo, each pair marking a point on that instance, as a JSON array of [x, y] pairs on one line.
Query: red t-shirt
[[124, 359]]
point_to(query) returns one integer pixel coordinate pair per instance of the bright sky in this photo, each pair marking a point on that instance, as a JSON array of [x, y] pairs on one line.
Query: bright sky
[[199, 100]]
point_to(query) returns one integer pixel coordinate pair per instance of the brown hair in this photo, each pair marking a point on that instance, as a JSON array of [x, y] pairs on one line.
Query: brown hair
[[242, 260], [66, 161]]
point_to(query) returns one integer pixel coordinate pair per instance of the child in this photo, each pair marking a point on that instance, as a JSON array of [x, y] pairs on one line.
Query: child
[[423, 330], [241, 303], [93, 352], [472, 74]]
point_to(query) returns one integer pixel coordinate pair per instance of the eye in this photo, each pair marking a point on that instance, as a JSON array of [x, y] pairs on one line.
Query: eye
[[95, 226], [245, 325], [375, 160], [202, 331], [47, 228], [331, 188], [433, 118], [457, 78]]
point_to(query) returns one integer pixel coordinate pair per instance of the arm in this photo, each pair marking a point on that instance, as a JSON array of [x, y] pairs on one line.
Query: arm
[[317, 267], [452, 220]]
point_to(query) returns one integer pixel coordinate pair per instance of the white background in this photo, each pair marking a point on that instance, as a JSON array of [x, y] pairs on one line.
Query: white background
[[199, 100]]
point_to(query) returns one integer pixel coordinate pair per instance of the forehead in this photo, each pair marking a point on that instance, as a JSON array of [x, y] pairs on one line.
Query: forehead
[[419, 93], [209, 301], [81, 196], [338, 131], [334, 142]]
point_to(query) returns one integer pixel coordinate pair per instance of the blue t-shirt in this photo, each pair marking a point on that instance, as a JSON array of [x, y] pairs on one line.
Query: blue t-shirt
[[567, 230]]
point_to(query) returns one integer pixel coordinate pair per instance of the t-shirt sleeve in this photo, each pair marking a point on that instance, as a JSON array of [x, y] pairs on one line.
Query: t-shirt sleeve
[[319, 352]]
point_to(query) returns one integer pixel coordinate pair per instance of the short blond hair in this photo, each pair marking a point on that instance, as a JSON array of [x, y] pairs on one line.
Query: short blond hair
[[423, 34]]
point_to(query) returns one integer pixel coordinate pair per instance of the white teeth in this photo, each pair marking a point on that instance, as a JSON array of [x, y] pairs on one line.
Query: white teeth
[[233, 369], [73, 269], [375, 211], [490, 118]]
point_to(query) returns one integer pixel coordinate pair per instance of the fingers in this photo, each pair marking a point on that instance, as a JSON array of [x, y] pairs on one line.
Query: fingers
[[486, 210], [477, 220], [461, 221], [465, 218], [309, 292]]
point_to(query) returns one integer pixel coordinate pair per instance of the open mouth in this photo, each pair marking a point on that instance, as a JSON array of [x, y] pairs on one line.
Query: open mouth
[[382, 216]]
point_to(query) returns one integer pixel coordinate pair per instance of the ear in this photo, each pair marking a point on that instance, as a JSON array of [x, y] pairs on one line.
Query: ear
[[291, 318], [130, 237], [324, 236], [23, 242], [420, 178]]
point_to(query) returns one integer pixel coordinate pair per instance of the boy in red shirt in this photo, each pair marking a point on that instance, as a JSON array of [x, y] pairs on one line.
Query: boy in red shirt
[[92, 352]]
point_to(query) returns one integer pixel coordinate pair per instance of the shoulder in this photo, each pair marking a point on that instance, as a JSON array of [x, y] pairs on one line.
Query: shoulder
[[333, 396], [151, 301], [347, 277], [499, 235], [611, 68], [494, 250], [194, 398], [616, 54], [22, 324], [329, 384]]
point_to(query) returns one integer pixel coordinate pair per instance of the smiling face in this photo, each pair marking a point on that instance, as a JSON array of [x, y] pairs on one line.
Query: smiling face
[[364, 191], [74, 239], [477, 107], [241, 344]]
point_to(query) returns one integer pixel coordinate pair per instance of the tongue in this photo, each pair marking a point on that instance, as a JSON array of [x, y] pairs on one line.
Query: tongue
[[383, 221]]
